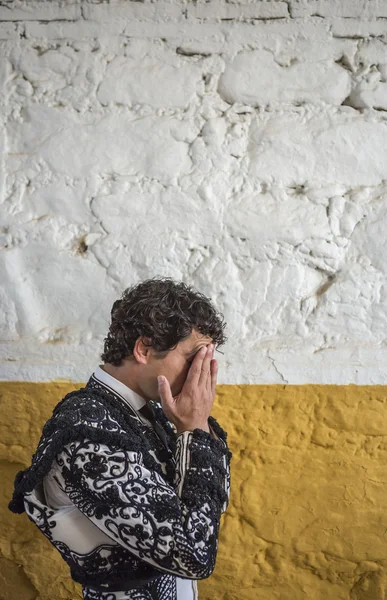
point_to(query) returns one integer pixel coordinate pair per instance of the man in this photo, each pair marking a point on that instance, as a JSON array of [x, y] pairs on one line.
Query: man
[[128, 491]]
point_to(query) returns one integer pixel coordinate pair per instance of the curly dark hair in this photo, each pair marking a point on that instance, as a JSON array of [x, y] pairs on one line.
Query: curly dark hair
[[163, 310]]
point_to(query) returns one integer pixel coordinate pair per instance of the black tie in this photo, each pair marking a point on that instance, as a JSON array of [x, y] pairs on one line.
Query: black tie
[[148, 413]]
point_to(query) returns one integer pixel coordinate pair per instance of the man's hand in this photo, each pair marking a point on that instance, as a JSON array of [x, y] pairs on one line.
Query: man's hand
[[191, 408]]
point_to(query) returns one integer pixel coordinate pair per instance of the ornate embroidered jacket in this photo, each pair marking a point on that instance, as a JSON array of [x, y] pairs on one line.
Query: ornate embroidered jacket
[[147, 503]]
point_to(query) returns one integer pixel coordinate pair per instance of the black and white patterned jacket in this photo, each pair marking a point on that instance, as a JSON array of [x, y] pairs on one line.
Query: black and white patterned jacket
[[140, 507]]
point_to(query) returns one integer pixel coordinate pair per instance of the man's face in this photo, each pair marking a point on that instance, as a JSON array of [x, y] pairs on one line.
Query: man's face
[[176, 364]]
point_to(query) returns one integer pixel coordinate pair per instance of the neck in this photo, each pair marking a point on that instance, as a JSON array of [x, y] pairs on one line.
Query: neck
[[122, 373]]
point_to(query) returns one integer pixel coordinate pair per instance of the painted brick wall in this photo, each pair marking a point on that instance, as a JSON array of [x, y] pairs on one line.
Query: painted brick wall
[[240, 146], [307, 517]]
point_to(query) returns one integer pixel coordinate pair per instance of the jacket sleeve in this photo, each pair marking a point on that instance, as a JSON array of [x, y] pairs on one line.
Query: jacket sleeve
[[172, 527]]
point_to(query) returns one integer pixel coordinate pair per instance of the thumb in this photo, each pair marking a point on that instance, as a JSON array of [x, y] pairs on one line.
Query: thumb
[[164, 390]]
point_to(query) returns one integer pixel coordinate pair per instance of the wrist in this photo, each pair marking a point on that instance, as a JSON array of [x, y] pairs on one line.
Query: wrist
[[203, 426]]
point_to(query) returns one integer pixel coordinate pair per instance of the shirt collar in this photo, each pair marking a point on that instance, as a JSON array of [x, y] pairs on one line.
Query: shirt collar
[[128, 395]]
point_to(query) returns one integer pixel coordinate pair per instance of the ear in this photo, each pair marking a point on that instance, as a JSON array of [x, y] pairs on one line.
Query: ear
[[141, 350]]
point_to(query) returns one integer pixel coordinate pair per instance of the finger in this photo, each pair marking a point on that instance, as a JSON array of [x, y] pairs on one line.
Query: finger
[[214, 375], [205, 370], [196, 367], [165, 393], [209, 374]]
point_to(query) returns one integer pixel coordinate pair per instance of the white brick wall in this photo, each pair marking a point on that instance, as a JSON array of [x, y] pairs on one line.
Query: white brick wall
[[239, 146]]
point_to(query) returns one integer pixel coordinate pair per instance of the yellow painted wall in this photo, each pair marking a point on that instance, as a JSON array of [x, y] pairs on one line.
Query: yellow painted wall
[[308, 513]]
